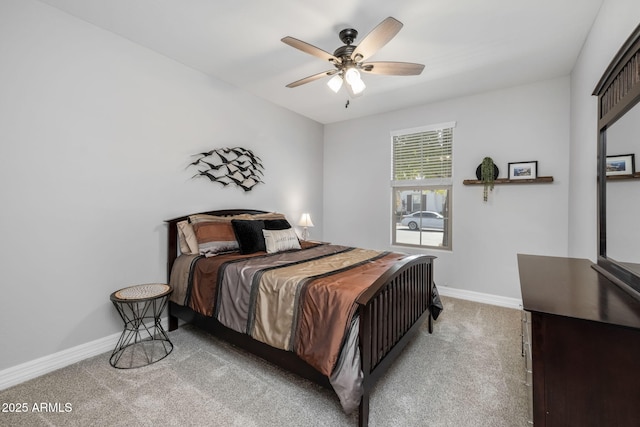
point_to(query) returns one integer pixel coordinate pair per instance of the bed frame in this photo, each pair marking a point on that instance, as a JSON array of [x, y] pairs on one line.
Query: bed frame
[[391, 312]]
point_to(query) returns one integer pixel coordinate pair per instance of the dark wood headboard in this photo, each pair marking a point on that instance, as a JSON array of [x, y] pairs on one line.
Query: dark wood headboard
[[172, 238]]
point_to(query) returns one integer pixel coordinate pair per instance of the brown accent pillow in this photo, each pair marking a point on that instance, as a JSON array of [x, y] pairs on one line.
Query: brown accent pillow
[[215, 237]]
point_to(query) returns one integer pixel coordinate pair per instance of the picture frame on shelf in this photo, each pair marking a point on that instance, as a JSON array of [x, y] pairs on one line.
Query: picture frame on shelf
[[523, 170], [622, 164]]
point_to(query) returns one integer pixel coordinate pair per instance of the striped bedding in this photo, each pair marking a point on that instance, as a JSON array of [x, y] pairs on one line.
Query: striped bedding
[[301, 301]]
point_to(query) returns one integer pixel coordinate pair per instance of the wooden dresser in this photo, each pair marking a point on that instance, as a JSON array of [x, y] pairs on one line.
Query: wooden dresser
[[585, 344]]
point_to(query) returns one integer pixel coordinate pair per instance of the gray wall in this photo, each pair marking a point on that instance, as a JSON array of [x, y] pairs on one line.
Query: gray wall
[[614, 23], [522, 123], [95, 137]]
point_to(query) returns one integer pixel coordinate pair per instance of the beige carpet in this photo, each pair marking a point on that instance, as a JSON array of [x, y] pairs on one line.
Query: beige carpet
[[469, 372]]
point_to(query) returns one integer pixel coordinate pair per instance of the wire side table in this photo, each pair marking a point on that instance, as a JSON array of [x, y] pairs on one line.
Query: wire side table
[[143, 340]]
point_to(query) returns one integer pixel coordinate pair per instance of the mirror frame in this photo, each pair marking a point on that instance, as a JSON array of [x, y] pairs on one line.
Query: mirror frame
[[618, 91]]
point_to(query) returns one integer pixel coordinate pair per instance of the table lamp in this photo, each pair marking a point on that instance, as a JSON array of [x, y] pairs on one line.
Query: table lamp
[[305, 222]]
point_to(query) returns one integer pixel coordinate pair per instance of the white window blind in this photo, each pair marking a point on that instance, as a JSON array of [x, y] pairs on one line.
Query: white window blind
[[423, 154], [421, 185]]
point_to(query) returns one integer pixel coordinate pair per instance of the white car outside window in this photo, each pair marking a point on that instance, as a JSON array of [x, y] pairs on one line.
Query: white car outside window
[[423, 220]]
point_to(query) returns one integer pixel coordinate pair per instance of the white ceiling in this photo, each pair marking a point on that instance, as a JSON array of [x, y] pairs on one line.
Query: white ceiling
[[467, 46]]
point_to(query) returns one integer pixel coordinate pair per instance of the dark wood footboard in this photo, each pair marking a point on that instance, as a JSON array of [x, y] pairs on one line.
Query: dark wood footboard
[[391, 313]]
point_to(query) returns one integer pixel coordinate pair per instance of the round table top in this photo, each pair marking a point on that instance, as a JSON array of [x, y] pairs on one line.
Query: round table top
[[142, 292]]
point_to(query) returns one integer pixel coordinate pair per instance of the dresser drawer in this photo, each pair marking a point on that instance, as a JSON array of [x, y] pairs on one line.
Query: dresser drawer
[[528, 366]]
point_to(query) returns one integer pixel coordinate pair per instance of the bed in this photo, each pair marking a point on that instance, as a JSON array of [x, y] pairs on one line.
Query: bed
[[336, 315]]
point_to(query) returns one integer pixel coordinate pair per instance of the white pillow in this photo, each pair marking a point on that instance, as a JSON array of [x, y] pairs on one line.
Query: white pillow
[[280, 240]]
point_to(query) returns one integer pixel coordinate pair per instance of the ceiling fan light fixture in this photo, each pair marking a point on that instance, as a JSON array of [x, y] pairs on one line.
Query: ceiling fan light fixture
[[335, 83], [352, 76], [348, 59]]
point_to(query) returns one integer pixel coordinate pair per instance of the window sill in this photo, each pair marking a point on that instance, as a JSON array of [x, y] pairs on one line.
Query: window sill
[[407, 248]]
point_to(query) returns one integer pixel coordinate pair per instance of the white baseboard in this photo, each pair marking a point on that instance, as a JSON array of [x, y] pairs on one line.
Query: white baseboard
[[26, 371], [480, 297], [43, 365]]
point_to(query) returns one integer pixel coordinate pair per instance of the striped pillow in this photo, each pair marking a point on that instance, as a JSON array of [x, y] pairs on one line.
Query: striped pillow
[[215, 238], [280, 240]]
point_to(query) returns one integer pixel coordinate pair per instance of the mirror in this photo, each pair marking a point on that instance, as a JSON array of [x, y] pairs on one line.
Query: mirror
[[618, 94], [622, 192]]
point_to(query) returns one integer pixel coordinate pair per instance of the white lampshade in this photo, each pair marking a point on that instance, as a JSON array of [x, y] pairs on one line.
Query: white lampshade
[[335, 83], [358, 87], [305, 220], [352, 76], [355, 86]]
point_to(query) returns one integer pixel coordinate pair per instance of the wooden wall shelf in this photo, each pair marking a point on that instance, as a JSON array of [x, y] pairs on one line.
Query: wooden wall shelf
[[539, 180], [621, 177]]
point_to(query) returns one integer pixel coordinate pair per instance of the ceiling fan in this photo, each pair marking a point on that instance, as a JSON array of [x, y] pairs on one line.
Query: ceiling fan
[[348, 59]]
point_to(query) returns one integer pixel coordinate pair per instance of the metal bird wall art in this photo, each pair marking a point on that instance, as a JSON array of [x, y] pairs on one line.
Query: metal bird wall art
[[237, 165]]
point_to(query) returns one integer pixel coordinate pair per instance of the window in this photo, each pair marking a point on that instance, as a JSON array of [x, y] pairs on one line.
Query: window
[[421, 185]]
